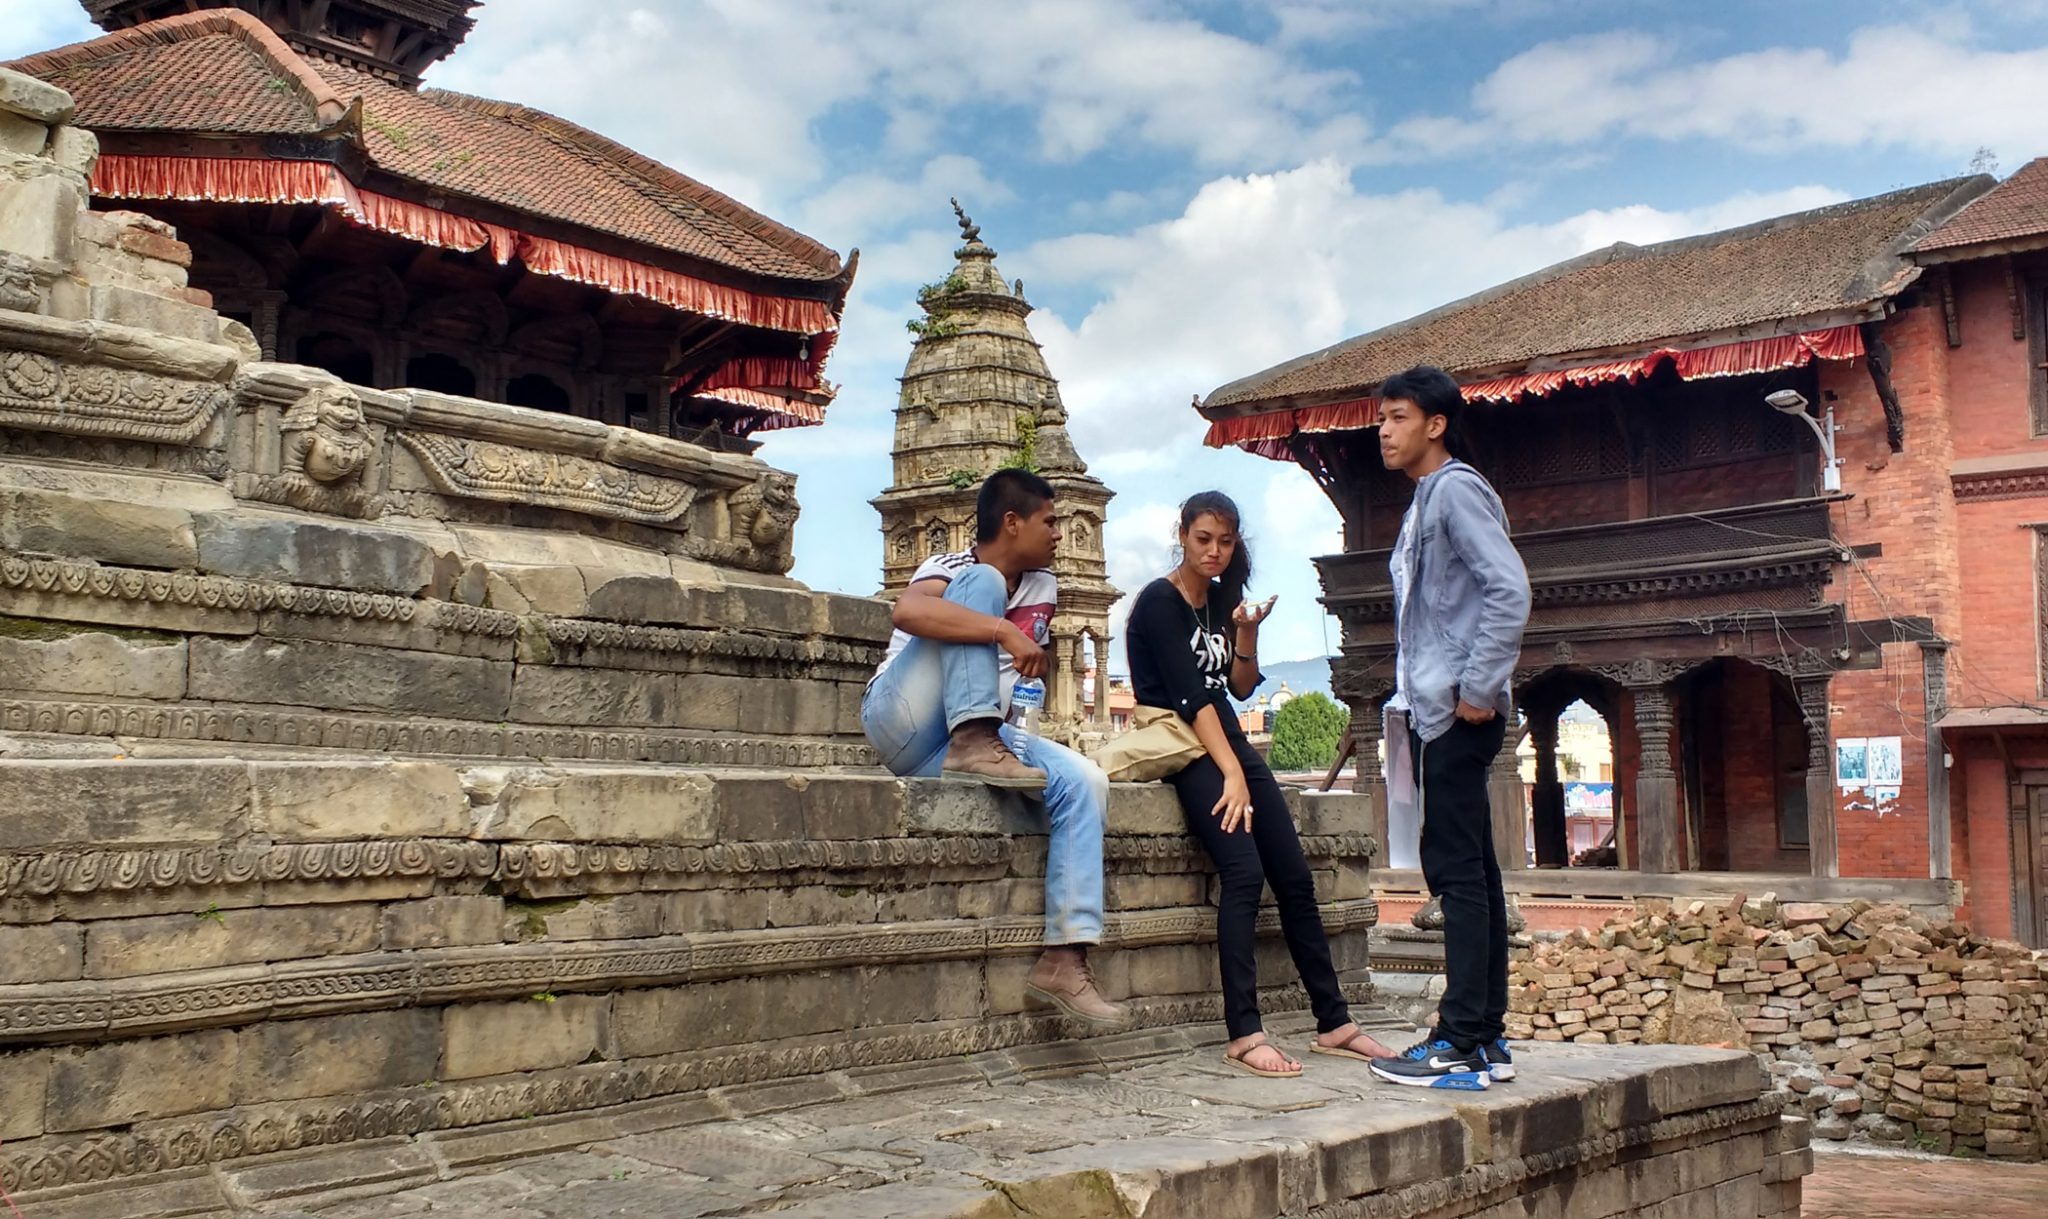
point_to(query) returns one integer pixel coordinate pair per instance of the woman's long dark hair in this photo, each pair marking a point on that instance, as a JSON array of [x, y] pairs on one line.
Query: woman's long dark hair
[[1214, 503]]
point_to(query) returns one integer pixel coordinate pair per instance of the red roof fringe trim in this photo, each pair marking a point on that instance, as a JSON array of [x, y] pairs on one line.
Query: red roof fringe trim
[[233, 180], [781, 412], [1266, 434]]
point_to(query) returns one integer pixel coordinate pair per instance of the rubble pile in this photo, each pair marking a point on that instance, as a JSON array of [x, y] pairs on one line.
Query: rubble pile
[[1885, 1024]]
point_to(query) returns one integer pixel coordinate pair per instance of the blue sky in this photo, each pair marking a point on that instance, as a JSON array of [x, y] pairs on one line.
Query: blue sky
[[1195, 190]]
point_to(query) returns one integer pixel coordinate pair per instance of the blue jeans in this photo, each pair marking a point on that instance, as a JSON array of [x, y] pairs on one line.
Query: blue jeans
[[931, 688]]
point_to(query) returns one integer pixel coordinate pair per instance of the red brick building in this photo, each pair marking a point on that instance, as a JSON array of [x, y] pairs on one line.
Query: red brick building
[[1795, 677], [401, 236], [1990, 267]]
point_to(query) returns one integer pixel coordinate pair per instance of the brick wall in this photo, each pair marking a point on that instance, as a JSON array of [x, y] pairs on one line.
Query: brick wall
[[1988, 373], [1902, 504]]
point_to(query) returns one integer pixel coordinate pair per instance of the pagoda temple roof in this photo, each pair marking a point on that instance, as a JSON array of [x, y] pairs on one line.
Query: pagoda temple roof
[[1726, 302], [222, 72], [2012, 216]]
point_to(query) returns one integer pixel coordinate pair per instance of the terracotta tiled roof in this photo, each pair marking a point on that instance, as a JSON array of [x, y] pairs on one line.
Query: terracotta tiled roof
[[2015, 209], [223, 72], [534, 162], [1627, 298]]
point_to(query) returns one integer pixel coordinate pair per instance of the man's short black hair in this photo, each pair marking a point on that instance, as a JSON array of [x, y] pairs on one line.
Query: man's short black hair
[[1007, 491], [1430, 389]]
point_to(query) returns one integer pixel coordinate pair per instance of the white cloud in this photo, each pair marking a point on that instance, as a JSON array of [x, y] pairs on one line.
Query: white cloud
[[1892, 87], [734, 91]]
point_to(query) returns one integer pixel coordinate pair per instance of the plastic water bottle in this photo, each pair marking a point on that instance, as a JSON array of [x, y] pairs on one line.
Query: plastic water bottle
[[1027, 702]]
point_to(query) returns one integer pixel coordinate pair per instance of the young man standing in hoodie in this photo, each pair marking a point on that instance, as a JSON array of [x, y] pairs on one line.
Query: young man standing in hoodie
[[1461, 601]]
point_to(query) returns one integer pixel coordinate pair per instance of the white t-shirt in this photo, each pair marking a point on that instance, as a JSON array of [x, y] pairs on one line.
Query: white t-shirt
[[1030, 606], [1402, 564]]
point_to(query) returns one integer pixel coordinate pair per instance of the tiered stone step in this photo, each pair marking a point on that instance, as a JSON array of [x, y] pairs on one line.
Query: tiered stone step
[[156, 606], [207, 959], [1137, 1126]]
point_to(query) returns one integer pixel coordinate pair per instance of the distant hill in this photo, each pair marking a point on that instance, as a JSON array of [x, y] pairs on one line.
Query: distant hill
[[1300, 676]]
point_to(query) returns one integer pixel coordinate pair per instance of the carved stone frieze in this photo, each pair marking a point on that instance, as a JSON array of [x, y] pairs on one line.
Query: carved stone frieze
[[617, 636], [122, 871], [274, 726], [46, 394], [108, 451], [67, 578], [488, 470], [236, 995], [260, 1130], [46, 874]]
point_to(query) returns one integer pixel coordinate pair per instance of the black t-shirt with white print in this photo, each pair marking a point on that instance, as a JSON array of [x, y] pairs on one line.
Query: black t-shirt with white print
[[1180, 657]]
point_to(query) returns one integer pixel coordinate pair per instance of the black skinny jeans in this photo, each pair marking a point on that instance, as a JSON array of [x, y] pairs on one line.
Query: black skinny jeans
[[1460, 867], [1246, 862]]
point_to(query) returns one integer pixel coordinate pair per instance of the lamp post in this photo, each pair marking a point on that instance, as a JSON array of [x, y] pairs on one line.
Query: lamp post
[[1792, 402]]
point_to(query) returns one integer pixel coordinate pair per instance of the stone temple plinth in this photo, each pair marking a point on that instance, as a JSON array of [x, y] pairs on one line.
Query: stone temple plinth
[[394, 784]]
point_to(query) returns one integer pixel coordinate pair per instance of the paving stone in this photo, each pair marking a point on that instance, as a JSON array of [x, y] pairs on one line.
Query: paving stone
[[309, 801], [101, 803], [299, 551], [85, 525], [126, 1081]]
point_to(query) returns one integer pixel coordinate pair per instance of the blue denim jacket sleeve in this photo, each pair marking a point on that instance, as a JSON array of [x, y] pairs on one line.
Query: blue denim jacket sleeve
[[1476, 528]]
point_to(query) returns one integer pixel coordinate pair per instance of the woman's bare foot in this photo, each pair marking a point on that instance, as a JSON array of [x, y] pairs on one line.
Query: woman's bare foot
[[1356, 1040], [1260, 1055]]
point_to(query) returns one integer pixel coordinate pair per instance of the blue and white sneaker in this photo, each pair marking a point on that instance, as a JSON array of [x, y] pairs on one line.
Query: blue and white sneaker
[[1436, 1063], [1500, 1061]]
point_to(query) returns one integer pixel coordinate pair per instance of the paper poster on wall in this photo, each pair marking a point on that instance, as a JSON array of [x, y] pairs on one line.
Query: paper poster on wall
[[1886, 761], [1852, 762]]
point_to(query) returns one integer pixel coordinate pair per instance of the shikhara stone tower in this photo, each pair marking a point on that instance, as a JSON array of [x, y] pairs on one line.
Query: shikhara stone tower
[[977, 396]]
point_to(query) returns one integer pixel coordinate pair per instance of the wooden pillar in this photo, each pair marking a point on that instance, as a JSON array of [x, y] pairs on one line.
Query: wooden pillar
[[1940, 829], [1546, 800], [267, 316], [1656, 783], [1820, 775]]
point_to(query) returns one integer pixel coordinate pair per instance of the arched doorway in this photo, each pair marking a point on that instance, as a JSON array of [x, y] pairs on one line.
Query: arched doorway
[[443, 374], [1578, 812], [341, 355], [539, 391]]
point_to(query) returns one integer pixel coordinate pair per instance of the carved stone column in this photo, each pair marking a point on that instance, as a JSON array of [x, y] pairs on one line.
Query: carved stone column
[[1546, 800], [1101, 710], [1657, 805], [1352, 679], [1822, 850]]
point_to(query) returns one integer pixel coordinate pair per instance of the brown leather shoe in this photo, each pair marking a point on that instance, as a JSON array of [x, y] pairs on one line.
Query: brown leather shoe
[[1063, 979], [977, 753]]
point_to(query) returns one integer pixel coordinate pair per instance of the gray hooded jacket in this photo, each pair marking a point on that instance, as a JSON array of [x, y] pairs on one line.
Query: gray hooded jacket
[[1460, 631]]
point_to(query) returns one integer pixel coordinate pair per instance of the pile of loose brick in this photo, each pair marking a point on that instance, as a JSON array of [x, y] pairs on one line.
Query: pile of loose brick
[[1887, 1025]]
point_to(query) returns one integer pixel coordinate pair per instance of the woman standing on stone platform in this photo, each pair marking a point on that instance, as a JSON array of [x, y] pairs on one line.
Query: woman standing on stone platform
[[1192, 645]]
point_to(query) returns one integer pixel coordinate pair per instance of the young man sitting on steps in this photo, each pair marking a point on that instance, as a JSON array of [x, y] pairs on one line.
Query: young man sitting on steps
[[967, 628]]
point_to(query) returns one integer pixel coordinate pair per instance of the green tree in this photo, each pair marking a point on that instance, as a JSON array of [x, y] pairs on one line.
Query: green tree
[[1307, 732]]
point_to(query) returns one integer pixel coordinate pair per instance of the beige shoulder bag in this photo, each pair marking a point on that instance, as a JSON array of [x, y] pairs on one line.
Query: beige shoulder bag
[[1158, 745]]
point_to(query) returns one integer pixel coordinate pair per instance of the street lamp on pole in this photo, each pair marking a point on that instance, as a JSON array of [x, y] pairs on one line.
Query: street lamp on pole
[[1792, 402]]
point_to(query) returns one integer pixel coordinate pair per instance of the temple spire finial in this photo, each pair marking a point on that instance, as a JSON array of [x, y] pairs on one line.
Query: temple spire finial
[[969, 231]]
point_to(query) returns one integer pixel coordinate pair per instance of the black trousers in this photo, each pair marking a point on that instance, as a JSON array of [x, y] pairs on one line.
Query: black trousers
[[1460, 867], [1270, 854]]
